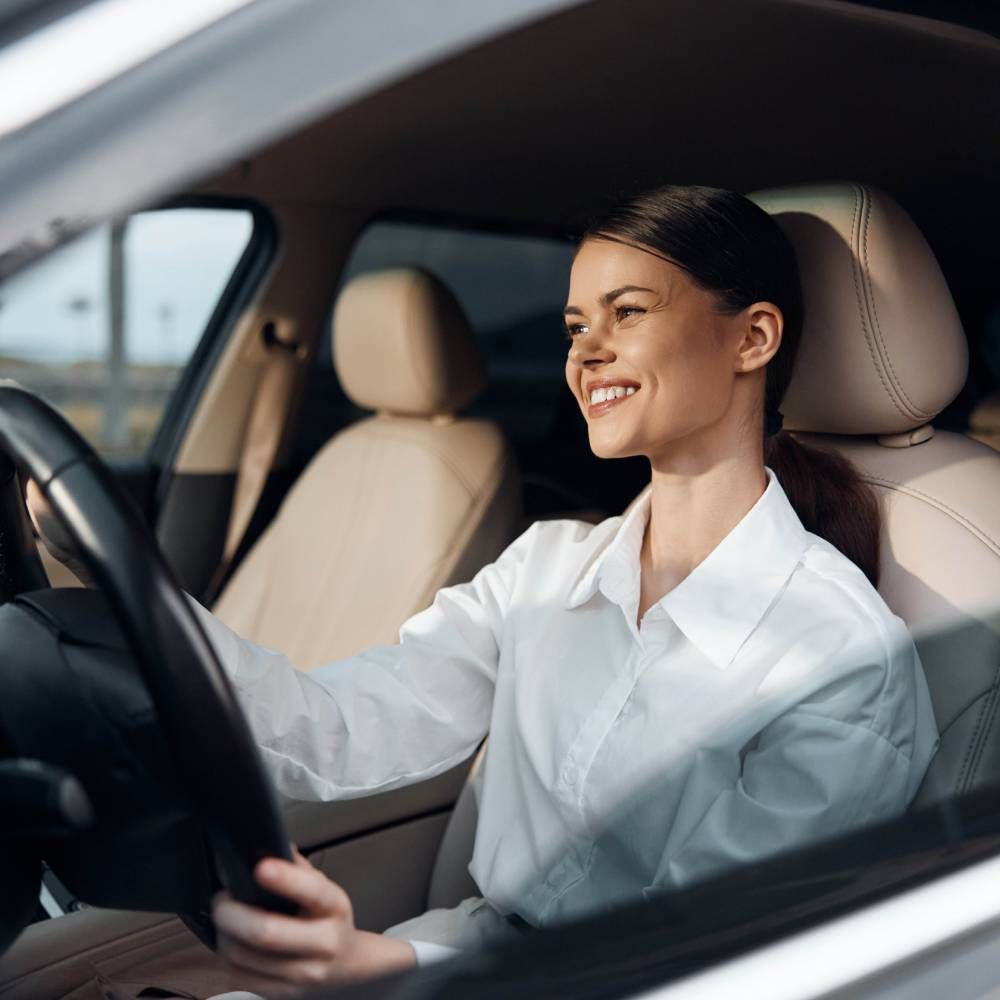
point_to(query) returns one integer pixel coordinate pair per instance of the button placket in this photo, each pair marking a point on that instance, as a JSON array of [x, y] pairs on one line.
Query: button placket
[[593, 733]]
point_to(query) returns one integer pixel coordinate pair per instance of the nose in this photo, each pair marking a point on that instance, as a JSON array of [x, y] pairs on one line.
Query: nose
[[590, 350]]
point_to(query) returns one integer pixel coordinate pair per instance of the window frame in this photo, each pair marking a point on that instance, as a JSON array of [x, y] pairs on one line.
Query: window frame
[[838, 889], [246, 279]]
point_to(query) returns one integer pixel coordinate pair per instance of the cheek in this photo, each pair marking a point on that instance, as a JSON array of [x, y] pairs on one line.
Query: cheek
[[689, 371]]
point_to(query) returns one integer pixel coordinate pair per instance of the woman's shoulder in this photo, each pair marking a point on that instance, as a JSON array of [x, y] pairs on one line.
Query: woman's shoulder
[[834, 586], [864, 663], [561, 544], [570, 531]]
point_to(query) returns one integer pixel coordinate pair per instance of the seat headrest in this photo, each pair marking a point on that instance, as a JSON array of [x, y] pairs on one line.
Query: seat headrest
[[402, 344], [882, 348]]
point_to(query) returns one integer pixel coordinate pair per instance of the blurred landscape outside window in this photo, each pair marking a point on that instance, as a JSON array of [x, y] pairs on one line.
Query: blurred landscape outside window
[[103, 327]]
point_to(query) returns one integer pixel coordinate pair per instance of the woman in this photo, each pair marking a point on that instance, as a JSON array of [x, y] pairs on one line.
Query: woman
[[708, 680]]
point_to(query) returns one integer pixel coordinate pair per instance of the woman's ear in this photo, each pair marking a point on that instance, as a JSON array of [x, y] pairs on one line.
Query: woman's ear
[[762, 326]]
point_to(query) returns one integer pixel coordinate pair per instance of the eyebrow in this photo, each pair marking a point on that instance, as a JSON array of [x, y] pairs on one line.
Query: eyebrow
[[608, 297]]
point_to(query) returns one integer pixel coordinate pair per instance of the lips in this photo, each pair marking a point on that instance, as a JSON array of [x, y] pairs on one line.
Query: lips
[[618, 391], [605, 382]]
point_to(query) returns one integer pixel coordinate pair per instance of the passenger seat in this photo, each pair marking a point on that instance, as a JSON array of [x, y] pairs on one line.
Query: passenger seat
[[398, 505]]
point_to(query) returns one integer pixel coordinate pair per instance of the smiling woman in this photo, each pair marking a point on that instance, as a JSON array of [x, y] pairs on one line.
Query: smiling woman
[[699, 684], [716, 312]]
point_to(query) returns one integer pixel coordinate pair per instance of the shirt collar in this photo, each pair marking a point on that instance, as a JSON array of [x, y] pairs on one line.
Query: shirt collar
[[725, 596]]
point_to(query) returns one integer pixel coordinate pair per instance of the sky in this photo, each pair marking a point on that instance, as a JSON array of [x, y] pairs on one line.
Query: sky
[[177, 263]]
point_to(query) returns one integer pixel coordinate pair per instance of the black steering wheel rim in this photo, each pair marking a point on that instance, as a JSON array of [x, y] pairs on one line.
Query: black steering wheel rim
[[204, 727]]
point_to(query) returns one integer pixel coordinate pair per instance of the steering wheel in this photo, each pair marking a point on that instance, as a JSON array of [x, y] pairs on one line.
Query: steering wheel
[[207, 737]]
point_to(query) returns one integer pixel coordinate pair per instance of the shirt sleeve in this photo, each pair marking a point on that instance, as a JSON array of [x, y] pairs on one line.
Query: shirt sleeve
[[851, 753], [428, 952], [809, 778], [390, 715]]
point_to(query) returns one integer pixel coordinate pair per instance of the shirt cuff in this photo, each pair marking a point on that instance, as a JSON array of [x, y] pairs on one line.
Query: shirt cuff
[[428, 953]]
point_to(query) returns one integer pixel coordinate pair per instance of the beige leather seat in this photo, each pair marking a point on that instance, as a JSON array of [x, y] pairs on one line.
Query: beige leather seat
[[882, 354], [396, 506]]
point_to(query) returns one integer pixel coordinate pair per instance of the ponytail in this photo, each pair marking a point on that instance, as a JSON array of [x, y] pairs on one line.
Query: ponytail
[[732, 247], [830, 498]]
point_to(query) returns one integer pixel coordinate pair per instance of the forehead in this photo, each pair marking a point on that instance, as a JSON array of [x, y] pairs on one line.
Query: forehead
[[603, 265]]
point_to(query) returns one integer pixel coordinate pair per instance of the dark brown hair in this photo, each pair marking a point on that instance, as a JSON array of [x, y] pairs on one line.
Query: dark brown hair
[[730, 246]]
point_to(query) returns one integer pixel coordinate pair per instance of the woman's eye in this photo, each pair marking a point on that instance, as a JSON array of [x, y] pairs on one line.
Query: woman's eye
[[572, 329], [623, 312]]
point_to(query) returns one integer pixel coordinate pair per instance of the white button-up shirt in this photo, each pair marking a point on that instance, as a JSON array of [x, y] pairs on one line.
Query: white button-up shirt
[[769, 700]]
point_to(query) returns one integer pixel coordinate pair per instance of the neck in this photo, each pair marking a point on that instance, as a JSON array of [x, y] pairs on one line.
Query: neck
[[695, 502]]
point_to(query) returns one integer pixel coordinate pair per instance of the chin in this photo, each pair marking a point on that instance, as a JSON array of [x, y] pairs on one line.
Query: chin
[[612, 449]]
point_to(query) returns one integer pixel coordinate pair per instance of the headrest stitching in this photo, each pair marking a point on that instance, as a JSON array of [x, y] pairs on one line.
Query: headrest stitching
[[897, 384], [856, 273]]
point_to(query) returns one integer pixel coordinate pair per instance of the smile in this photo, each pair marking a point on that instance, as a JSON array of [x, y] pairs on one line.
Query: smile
[[611, 392], [605, 398]]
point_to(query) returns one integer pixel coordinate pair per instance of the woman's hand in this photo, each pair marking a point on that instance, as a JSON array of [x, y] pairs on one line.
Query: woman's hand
[[54, 536], [320, 945]]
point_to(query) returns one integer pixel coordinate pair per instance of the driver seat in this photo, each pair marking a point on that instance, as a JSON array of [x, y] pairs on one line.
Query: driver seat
[[882, 354], [398, 505]]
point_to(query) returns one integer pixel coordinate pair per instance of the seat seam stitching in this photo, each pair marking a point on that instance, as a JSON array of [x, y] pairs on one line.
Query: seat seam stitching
[[960, 780], [856, 268], [79, 955], [879, 338], [974, 751], [317, 604], [481, 502], [939, 505], [989, 714], [441, 455], [967, 707]]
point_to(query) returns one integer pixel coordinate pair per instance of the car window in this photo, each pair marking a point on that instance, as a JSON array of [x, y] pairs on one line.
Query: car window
[[103, 327], [513, 289]]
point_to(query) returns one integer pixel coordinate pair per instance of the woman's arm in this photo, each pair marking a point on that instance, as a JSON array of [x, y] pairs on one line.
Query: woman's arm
[[809, 779], [390, 715], [386, 717], [836, 762]]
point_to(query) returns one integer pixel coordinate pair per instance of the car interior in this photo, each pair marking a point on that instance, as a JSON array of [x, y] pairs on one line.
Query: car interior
[[377, 407]]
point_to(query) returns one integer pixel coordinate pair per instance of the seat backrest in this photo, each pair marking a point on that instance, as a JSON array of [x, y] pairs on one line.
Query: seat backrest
[[882, 353], [940, 572], [396, 506]]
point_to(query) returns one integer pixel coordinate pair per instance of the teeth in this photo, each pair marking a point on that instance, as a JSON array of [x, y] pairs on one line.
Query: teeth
[[611, 392]]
